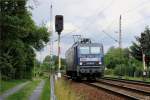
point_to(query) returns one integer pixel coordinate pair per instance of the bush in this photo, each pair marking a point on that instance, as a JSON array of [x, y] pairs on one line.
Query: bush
[[109, 72], [149, 72], [124, 70], [138, 72], [119, 70]]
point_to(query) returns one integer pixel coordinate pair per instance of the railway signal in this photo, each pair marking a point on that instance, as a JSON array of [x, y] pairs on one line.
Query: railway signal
[[59, 28], [147, 59], [143, 42], [144, 50], [59, 23]]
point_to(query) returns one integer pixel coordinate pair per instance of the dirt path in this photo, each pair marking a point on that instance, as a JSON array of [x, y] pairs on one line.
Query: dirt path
[[12, 91], [36, 93]]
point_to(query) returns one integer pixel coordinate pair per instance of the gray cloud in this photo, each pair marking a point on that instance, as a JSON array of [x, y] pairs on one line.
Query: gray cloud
[[90, 17]]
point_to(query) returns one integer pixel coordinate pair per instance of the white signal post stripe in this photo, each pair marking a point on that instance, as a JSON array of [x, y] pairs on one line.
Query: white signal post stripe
[[59, 59]]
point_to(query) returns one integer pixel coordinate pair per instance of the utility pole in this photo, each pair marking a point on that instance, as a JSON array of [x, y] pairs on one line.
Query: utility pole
[[51, 76], [120, 41], [51, 37], [120, 33]]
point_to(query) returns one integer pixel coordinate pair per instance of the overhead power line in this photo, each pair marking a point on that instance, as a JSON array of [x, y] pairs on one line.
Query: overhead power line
[[63, 36], [99, 12], [110, 36]]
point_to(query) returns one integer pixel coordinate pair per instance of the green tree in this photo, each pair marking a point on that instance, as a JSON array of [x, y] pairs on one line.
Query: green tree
[[19, 38], [54, 61], [113, 57], [120, 62], [142, 44], [136, 51]]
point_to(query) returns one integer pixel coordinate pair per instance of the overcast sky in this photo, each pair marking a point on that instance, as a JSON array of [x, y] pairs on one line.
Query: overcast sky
[[90, 18]]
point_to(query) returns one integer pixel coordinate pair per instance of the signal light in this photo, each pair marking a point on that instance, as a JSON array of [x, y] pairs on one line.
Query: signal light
[[59, 23], [80, 63]]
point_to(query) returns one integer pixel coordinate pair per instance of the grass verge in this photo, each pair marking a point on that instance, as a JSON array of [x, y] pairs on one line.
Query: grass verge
[[25, 92], [64, 92], [5, 85], [46, 91]]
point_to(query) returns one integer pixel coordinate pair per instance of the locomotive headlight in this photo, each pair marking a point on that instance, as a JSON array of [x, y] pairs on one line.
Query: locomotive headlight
[[80, 63], [100, 62]]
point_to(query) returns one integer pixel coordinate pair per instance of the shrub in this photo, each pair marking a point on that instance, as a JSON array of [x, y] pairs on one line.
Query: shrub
[[109, 72]]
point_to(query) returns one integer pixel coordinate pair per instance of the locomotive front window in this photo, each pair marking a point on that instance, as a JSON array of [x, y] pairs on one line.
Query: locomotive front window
[[95, 50], [84, 50]]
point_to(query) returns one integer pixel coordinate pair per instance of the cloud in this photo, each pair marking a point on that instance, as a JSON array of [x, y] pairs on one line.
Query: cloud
[[68, 27], [90, 17]]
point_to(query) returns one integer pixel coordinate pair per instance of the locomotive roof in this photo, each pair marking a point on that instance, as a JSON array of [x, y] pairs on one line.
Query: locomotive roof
[[86, 44]]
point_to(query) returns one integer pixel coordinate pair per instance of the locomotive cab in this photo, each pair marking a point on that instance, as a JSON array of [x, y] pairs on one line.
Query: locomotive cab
[[90, 60]]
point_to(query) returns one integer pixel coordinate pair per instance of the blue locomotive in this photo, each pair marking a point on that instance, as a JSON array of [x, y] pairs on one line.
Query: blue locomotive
[[85, 60]]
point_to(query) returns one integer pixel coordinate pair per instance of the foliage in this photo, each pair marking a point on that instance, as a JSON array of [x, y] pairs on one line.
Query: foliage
[[37, 68], [20, 37], [116, 56], [109, 72], [53, 63], [123, 70], [136, 51], [142, 43], [133, 69], [120, 62], [128, 62]]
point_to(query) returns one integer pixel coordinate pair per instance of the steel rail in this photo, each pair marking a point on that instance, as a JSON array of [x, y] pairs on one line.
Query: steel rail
[[131, 94], [128, 81], [120, 90]]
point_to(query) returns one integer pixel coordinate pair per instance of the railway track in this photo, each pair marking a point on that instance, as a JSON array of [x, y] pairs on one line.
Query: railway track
[[127, 81], [129, 89], [138, 85], [133, 90]]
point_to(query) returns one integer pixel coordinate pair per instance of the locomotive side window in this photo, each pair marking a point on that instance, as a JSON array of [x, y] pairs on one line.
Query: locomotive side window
[[84, 50], [95, 50]]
